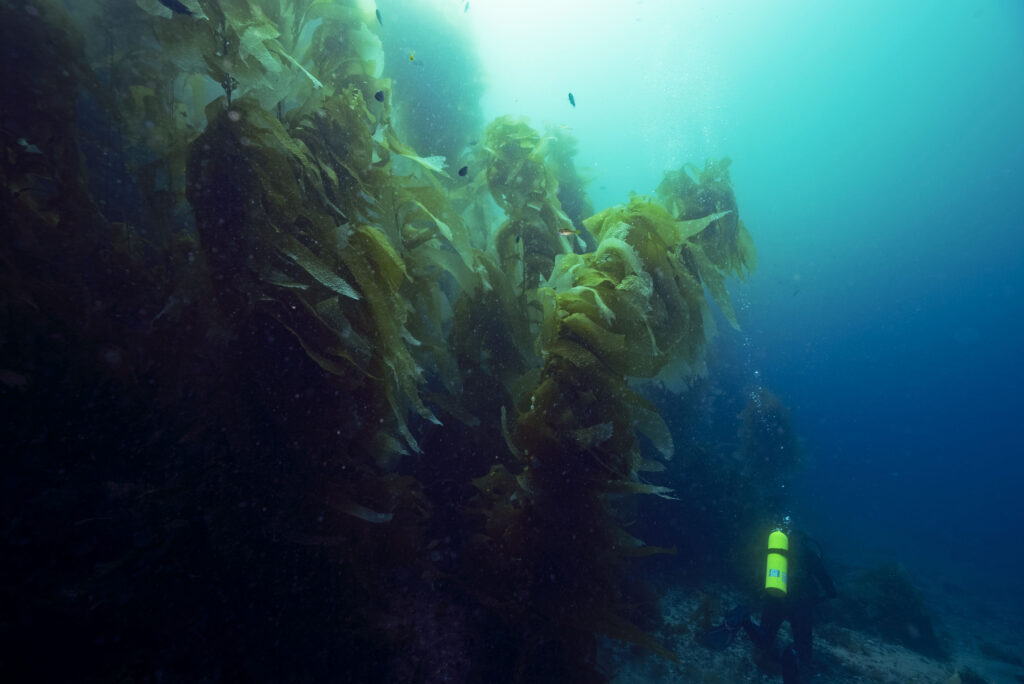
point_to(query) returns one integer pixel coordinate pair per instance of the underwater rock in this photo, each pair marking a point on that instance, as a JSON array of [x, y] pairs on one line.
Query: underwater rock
[[884, 601]]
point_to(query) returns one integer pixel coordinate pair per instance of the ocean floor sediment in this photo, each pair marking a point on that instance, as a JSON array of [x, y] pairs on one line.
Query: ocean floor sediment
[[983, 640]]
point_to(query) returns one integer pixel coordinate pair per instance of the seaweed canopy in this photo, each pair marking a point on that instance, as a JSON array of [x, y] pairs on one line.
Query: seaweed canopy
[[639, 298], [494, 329], [629, 309], [166, 66], [572, 194], [523, 184], [329, 248], [299, 205], [254, 49], [637, 282], [725, 248]]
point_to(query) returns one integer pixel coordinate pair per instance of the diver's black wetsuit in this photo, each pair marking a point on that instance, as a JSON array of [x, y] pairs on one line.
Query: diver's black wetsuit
[[808, 584]]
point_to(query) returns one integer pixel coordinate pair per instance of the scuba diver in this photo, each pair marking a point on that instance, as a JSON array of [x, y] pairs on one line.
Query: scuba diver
[[795, 581]]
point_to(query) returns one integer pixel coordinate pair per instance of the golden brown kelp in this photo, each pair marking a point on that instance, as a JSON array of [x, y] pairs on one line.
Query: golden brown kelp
[[629, 309], [725, 248], [151, 437], [523, 184], [572, 193], [493, 330], [270, 336], [307, 222], [293, 253]]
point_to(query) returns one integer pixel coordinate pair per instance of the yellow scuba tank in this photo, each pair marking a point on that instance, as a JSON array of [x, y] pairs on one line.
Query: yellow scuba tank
[[777, 573]]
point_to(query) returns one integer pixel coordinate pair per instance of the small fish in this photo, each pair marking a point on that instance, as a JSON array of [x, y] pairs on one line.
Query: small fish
[[466, 9], [567, 231], [380, 19], [176, 6], [412, 56], [572, 100], [379, 96], [464, 170]]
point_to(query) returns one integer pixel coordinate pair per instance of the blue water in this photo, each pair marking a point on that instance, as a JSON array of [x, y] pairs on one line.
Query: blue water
[[878, 154], [888, 306]]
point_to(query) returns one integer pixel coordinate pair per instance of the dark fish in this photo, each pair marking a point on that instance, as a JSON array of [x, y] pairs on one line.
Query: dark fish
[[176, 6], [572, 100], [379, 19], [467, 8], [464, 170], [379, 96]]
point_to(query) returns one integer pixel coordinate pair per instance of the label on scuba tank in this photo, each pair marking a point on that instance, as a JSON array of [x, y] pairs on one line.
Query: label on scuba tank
[[774, 573]]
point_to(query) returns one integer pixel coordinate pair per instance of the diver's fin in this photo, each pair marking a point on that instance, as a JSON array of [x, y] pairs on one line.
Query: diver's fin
[[717, 638]]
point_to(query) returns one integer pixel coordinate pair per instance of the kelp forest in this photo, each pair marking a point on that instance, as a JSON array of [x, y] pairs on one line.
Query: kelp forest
[[287, 397]]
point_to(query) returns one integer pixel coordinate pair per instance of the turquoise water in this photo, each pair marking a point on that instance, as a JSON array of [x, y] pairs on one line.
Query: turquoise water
[[877, 160]]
